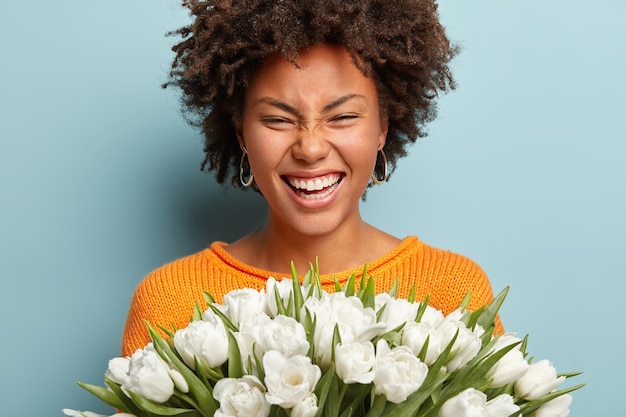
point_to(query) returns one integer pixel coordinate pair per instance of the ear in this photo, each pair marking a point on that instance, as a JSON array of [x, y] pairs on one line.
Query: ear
[[239, 134], [382, 136]]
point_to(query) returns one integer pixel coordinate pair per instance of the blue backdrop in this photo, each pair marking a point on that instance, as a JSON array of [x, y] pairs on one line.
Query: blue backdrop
[[99, 183]]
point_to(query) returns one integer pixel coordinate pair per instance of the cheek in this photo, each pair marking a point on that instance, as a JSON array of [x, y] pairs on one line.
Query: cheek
[[360, 151], [265, 154]]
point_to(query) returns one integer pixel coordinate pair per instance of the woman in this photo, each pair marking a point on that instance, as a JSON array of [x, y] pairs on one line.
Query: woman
[[309, 103]]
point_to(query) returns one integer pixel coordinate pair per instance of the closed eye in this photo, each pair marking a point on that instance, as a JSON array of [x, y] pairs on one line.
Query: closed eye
[[274, 120], [277, 122], [344, 119]]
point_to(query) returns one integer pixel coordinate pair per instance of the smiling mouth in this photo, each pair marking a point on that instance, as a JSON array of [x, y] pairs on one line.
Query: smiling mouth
[[314, 188]]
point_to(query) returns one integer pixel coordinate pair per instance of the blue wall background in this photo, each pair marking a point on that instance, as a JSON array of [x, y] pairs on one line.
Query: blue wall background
[[99, 183]]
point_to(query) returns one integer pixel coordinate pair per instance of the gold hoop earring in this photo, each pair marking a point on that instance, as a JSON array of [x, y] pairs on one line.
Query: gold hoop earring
[[248, 182], [385, 176]]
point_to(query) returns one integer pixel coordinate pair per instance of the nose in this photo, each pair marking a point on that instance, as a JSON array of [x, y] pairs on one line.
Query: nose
[[310, 146]]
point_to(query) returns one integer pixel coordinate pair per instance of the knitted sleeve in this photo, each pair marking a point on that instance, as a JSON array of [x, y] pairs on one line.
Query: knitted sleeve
[[452, 277], [444, 276], [166, 297]]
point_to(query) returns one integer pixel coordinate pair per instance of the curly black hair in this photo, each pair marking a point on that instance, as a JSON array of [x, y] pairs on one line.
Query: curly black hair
[[401, 44]]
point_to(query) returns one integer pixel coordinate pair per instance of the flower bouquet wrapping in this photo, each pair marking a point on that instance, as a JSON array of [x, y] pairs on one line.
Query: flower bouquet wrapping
[[295, 350]]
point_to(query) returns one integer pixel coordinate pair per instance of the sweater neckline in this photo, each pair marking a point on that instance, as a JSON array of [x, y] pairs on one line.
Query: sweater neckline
[[406, 245]]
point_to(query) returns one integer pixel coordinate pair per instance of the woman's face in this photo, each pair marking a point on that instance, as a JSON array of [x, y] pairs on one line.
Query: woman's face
[[312, 133]]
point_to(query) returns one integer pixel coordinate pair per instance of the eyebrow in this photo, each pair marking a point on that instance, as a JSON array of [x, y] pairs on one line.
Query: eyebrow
[[290, 109]]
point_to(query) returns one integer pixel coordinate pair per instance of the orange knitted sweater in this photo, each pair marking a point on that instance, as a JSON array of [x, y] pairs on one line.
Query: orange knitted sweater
[[167, 296]]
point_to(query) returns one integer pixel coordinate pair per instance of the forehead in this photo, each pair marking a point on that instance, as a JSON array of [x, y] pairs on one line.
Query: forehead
[[322, 72]]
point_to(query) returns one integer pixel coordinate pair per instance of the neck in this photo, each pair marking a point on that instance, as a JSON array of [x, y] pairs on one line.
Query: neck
[[350, 247]]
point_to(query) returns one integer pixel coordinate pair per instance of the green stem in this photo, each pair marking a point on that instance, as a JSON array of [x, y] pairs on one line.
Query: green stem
[[342, 393]]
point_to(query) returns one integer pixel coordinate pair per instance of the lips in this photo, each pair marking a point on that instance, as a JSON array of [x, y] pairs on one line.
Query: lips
[[314, 188]]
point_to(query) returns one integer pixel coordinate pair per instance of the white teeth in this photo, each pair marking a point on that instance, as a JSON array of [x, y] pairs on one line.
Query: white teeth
[[316, 184], [318, 195]]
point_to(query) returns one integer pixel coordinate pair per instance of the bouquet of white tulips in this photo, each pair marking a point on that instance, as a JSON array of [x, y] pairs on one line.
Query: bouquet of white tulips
[[295, 350]]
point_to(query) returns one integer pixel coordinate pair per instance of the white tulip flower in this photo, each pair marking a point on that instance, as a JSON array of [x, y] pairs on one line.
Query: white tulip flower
[[355, 322], [205, 340], [289, 380], [241, 397], [282, 333], [76, 413], [398, 373], [558, 407], [354, 362], [414, 336], [511, 366], [540, 379], [117, 371], [149, 375], [466, 346], [244, 305], [501, 406], [305, 408], [473, 403]]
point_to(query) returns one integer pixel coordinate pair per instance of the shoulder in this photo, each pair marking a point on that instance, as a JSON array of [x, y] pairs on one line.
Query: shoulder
[[446, 275], [447, 262], [166, 297], [183, 268], [421, 256], [211, 270]]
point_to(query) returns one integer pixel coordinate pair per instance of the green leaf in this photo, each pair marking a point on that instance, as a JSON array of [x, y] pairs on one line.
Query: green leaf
[[347, 412], [392, 337], [197, 312], [393, 291], [331, 408], [260, 370], [422, 309], [570, 374], [205, 374], [159, 409], [335, 342], [411, 297], [474, 373], [414, 401], [298, 299], [380, 312], [349, 287], [363, 277], [491, 312], [474, 316], [311, 336], [279, 302], [524, 345], [307, 322], [235, 364], [197, 389], [356, 396], [307, 278], [422, 354], [434, 369], [323, 387], [317, 282], [229, 324], [208, 298], [487, 337], [168, 332], [378, 406], [337, 284], [465, 301], [369, 295], [105, 395], [129, 403], [529, 407]]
